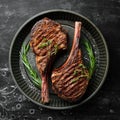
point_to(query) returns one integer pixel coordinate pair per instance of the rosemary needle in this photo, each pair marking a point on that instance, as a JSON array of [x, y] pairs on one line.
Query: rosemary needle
[[92, 60], [35, 78]]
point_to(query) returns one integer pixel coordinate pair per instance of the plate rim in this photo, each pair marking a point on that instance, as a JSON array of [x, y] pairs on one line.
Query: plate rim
[[70, 12]]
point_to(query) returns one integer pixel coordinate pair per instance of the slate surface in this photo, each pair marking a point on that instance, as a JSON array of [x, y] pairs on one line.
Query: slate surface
[[105, 105]]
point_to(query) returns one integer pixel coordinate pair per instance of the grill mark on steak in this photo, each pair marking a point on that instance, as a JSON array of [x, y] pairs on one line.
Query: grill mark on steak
[[47, 38], [71, 79], [74, 91], [52, 29], [71, 87], [52, 36]]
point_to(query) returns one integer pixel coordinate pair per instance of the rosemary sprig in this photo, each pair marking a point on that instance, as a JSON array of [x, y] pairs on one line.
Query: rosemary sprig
[[92, 60], [35, 78]]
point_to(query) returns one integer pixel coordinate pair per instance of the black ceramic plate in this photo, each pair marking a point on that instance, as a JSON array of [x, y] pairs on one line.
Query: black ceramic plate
[[89, 32]]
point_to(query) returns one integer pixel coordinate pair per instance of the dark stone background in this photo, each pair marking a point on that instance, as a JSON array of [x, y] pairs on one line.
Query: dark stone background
[[105, 105]]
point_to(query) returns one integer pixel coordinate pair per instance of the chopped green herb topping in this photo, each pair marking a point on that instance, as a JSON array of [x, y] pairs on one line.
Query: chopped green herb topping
[[78, 78], [81, 65], [55, 50], [82, 71], [45, 44], [75, 79], [76, 71], [44, 39]]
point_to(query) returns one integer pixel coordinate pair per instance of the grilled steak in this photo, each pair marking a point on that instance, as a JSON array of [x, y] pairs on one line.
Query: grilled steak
[[47, 38], [71, 79]]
